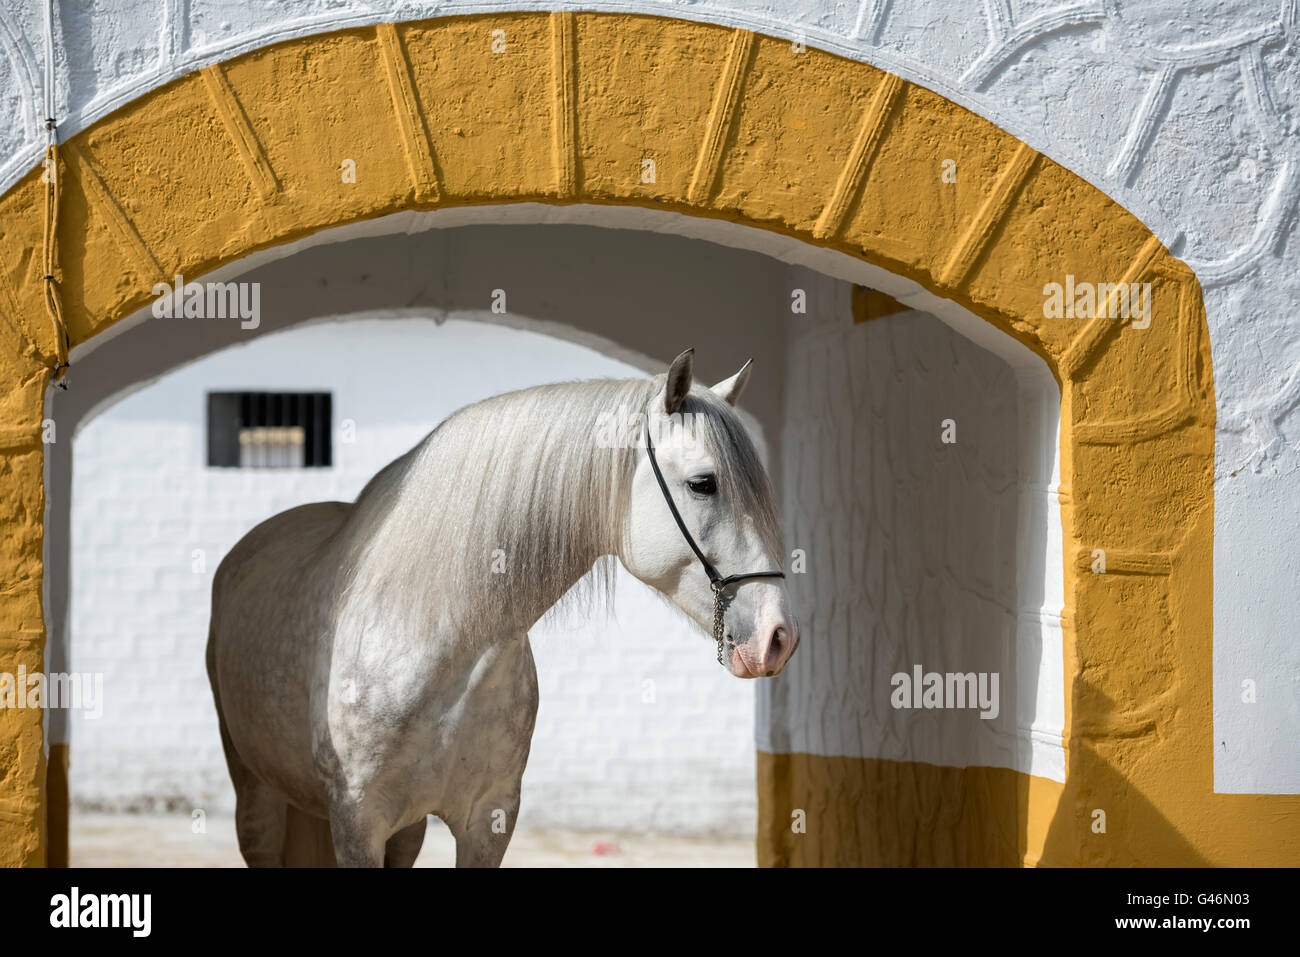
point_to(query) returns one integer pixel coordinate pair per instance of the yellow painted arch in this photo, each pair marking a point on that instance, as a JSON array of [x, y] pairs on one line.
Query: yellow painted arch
[[246, 155]]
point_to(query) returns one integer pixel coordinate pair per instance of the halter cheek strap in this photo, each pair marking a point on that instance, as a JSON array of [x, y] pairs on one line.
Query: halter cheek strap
[[717, 581]]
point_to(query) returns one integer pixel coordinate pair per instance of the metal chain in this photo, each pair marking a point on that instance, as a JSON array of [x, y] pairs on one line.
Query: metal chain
[[718, 635]]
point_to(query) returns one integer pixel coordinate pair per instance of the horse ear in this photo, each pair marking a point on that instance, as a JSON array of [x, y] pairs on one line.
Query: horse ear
[[679, 381], [730, 389]]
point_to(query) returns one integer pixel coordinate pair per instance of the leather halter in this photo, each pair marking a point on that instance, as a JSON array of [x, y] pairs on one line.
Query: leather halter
[[717, 581]]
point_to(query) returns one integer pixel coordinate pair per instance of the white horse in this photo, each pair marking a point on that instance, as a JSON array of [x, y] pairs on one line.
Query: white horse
[[370, 662]]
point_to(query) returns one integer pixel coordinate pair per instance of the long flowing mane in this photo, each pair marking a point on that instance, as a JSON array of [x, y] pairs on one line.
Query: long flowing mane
[[491, 517]]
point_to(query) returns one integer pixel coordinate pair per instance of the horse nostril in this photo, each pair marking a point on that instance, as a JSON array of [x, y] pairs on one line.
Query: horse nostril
[[776, 649]]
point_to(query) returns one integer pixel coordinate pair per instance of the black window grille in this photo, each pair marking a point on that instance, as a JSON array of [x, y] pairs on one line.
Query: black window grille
[[269, 429]]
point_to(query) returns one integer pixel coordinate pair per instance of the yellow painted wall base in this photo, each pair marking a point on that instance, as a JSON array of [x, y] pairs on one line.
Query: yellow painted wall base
[[861, 812], [866, 812]]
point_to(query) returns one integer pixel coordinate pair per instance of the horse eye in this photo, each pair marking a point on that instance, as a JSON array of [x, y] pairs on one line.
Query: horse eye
[[703, 485]]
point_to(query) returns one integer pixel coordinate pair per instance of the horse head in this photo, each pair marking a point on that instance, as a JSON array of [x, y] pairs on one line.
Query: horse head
[[701, 523]]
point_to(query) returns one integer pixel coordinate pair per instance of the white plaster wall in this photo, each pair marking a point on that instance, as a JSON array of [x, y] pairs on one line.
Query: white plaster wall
[[1185, 111], [919, 552], [605, 754]]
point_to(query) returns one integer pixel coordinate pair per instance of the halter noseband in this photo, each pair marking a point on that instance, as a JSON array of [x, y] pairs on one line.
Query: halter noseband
[[716, 581]]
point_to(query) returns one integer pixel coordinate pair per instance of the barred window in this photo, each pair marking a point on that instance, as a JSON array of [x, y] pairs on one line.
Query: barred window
[[261, 430]]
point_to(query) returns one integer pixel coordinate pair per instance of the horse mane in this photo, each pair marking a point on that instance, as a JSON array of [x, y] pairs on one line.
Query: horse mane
[[510, 499]]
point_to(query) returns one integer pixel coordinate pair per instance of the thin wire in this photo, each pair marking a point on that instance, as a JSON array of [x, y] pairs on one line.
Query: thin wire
[[50, 176]]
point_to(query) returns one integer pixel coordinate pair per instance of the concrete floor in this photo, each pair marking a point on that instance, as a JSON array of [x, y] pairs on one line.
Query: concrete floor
[[168, 840]]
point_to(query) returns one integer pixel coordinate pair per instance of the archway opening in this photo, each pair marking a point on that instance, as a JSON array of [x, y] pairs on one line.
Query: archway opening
[[958, 542]]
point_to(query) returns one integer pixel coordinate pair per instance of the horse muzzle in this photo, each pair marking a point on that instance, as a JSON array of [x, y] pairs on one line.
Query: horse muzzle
[[765, 654]]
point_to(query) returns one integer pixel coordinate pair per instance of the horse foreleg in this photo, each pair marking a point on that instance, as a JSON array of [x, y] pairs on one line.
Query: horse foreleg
[[359, 838], [260, 823], [483, 833], [483, 836], [404, 847]]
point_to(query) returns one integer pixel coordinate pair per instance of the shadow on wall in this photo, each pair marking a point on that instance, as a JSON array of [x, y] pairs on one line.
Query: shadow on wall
[[1136, 832]]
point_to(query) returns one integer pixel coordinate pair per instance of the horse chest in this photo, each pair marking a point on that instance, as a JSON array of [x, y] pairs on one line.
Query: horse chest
[[435, 733]]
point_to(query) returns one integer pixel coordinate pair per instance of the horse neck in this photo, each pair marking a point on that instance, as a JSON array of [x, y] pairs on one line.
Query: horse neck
[[495, 516]]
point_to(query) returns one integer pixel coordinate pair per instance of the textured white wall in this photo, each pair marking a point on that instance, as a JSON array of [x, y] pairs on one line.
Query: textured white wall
[[919, 552], [605, 754], [1185, 111]]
